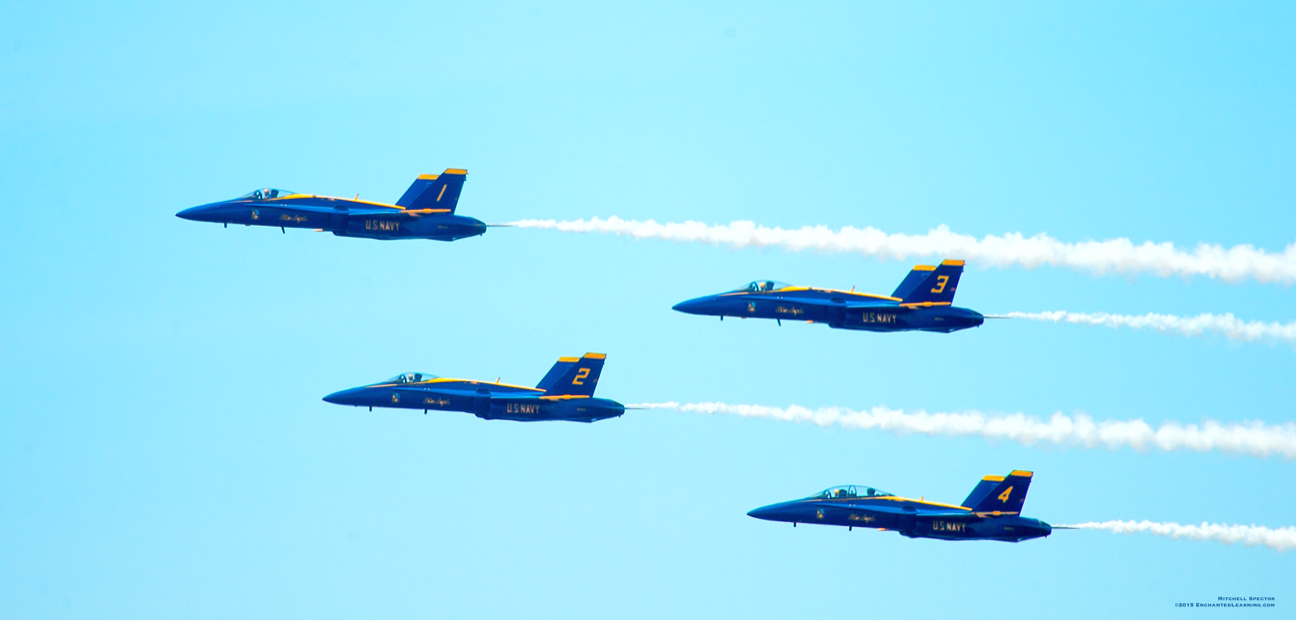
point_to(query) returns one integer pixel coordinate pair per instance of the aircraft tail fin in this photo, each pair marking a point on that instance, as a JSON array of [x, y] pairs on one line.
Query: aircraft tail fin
[[573, 376], [1006, 494], [559, 369], [435, 191], [982, 490], [931, 285], [911, 281]]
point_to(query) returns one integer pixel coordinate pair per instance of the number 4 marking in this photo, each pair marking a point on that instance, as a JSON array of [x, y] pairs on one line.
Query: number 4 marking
[[1003, 497], [940, 287], [584, 372]]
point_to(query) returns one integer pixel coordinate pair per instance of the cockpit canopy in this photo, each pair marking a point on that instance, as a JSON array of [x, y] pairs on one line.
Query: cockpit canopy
[[411, 377], [850, 491], [763, 286], [266, 194]]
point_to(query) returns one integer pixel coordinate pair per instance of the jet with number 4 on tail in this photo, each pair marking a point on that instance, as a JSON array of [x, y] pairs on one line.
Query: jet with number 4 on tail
[[425, 211], [922, 302], [565, 393], [991, 512]]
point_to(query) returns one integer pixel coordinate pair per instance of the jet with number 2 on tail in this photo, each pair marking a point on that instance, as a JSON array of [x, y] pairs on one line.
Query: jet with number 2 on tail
[[425, 211], [991, 512], [565, 393], [922, 302]]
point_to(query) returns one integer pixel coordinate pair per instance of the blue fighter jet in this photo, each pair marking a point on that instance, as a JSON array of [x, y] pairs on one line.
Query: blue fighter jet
[[991, 512], [425, 211], [922, 302], [565, 393]]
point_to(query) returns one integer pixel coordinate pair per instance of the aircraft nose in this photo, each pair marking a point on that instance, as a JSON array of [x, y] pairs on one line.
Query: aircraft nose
[[693, 306], [203, 213], [344, 397], [193, 213], [773, 512]]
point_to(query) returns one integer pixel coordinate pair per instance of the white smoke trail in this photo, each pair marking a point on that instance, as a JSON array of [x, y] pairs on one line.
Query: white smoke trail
[[1253, 438], [1099, 257], [1227, 325], [1282, 538]]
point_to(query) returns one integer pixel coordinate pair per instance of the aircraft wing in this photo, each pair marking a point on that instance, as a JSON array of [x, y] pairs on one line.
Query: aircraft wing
[[471, 393], [854, 305], [878, 306], [392, 212], [366, 212], [944, 514]]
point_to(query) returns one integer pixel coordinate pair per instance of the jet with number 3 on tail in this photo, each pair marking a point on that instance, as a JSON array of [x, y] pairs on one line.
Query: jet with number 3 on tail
[[565, 393], [425, 211], [991, 512], [922, 302]]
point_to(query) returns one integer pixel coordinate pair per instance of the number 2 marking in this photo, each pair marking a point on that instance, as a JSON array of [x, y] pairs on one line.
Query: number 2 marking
[[1003, 497], [584, 372], [940, 287]]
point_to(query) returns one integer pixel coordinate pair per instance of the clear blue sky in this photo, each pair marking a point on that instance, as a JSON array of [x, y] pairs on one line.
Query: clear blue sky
[[164, 451]]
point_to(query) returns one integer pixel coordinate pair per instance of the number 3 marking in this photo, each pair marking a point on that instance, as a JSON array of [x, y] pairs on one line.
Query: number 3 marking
[[1003, 497], [584, 372], [940, 287]]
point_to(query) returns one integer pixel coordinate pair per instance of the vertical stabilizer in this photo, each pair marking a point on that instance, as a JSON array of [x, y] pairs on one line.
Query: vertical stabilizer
[[1008, 495], [937, 288], [911, 281], [982, 489], [435, 191], [577, 378]]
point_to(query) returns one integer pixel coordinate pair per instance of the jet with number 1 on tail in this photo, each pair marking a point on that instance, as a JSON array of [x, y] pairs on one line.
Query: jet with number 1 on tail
[[425, 211], [565, 393], [991, 512], [922, 302]]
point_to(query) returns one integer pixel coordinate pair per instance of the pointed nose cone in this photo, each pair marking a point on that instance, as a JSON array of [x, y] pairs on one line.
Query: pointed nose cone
[[345, 397], [701, 305], [194, 214], [204, 213], [763, 512], [773, 512]]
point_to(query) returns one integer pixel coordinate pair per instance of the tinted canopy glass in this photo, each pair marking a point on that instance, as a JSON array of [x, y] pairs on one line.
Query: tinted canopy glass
[[851, 491], [411, 377], [763, 286], [267, 193]]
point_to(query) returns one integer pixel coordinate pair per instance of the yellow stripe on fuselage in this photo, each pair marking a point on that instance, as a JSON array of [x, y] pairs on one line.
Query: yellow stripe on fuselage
[[894, 498], [444, 380], [812, 289], [356, 200], [926, 304]]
